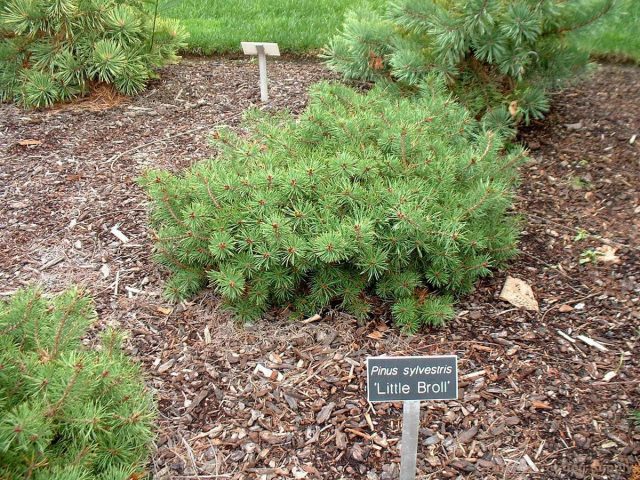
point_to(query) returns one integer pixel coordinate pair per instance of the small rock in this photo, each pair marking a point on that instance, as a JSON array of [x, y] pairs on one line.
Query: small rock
[[105, 270], [250, 447], [607, 254], [580, 439], [573, 126], [519, 294], [298, 473]]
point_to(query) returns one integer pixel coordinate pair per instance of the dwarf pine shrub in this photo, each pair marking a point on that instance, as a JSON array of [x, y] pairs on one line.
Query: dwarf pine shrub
[[53, 51], [364, 194], [67, 412], [501, 56]]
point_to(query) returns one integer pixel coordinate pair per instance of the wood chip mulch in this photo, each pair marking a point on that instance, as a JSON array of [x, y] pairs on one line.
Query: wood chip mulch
[[283, 400]]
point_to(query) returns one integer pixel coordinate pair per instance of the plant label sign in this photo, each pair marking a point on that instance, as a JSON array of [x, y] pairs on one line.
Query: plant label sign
[[399, 379], [261, 49], [410, 380]]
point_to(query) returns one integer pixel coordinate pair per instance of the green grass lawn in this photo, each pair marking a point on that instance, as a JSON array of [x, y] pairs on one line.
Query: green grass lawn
[[298, 26], [303, 26], [616, 36]]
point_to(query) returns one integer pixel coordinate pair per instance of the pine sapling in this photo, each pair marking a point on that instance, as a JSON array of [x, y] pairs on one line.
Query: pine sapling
[[500, 58], [403, 198], [67, 411], [55, 51]]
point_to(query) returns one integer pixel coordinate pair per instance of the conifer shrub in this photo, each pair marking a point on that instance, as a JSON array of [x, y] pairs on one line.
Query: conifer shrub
[[53, 51], [498, 57], [365, 194], [67, 412]]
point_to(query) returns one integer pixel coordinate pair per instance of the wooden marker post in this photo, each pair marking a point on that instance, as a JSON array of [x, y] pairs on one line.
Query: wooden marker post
[[411, 380], [261, 50]]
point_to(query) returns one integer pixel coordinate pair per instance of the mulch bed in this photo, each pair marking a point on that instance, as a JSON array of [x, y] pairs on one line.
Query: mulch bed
[[532, 403]]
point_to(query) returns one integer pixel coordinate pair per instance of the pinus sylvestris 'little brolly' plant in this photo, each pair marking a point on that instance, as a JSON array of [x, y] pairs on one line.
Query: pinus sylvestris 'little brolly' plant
[[55, 50], [67, 412], [364, 194], [498, 55]]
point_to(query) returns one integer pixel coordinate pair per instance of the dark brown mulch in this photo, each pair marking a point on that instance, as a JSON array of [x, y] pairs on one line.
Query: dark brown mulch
[[532, 404], [78, 180]]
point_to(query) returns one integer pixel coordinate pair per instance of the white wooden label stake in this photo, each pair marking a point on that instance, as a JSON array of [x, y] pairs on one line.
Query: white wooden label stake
[[262, 65], [261, 50]]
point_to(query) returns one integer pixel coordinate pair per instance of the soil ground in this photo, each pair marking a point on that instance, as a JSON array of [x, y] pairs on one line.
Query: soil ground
[[532, 403]]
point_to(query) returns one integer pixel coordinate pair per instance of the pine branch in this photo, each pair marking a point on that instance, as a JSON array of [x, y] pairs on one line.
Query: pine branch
[[487, 51], [609, 4], [66, 313], [55, 408]]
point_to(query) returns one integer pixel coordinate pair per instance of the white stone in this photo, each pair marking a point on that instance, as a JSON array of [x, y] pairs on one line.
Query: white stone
[[519, 294]]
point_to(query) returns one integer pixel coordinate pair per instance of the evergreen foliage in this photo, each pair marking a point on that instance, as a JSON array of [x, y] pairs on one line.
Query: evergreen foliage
[[502, 56], [67, 412], [364, 194], [54, 50]]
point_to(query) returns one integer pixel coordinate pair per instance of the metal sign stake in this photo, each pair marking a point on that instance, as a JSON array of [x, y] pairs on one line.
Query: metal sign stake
[[409, 447]]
